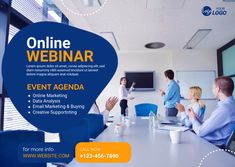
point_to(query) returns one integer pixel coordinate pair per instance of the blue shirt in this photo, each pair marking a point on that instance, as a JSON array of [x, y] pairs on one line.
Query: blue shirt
[[220, 125], [172, 95]]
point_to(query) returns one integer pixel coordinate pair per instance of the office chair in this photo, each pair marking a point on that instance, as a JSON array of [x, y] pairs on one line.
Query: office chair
[[88, 127], [145, 108], [9, 143], [76, 134], [95, 124], [230, 145], [72, 136], [201, 113]]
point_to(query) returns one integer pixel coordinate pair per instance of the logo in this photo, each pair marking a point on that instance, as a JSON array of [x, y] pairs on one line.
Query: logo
[[206, 11], [218, 11]]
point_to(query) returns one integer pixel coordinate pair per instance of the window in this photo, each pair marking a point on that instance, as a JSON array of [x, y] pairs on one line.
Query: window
[[12, 31], [226, 60], [25, 12], [42, 10], [25, 7], [13, 120]]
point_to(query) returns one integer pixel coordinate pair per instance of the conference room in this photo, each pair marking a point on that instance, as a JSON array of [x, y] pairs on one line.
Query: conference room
[[194, 39]]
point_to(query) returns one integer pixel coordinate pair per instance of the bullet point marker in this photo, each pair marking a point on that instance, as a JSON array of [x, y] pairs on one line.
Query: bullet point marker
[[28, 95], [29, 101], [28, 106], [29, 112]]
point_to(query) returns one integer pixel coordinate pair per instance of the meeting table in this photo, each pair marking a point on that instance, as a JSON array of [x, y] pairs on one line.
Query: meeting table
[[152, 147]]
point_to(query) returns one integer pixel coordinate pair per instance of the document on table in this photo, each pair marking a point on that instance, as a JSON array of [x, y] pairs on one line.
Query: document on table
[[171, 127], [144, 117]]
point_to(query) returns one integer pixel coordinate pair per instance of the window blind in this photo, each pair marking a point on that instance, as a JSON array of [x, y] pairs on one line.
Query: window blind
[[38, 10], [13, 120]]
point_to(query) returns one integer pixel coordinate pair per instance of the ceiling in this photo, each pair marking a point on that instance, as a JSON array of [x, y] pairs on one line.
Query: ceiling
[[137, 22]]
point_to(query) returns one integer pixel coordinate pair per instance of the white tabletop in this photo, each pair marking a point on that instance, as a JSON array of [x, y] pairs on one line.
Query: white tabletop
[[154, 148]]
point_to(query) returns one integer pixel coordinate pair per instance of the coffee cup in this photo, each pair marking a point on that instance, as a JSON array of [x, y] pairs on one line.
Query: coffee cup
[[175, 136]]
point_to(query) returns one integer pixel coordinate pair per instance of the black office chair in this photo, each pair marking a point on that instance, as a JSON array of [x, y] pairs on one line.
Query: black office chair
[[230, 145]]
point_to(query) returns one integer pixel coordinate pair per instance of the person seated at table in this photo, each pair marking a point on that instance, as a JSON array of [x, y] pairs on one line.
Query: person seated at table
[[220, 125], [196, 105], [110, 103]]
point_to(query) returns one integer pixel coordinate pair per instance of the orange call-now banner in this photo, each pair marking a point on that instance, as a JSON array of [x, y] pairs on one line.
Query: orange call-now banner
[[103, 152]]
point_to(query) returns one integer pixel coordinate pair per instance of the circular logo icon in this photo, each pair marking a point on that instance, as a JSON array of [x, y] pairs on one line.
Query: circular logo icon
[[206, 11]]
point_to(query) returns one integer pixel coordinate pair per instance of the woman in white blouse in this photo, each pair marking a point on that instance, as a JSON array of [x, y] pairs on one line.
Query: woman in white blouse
[[196, 105], [123, 95]]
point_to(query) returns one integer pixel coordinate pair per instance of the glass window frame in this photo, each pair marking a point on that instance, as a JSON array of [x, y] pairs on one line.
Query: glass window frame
[[15, 18], [220, 57]]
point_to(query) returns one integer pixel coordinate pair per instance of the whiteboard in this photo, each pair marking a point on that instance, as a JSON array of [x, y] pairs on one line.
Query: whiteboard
[[203, 79]]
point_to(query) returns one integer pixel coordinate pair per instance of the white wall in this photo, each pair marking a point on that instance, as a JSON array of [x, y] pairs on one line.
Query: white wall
[[157, 61], [196, 60]]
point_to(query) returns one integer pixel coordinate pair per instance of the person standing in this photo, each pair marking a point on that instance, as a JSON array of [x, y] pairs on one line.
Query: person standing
[[123, 95], [172, 94]]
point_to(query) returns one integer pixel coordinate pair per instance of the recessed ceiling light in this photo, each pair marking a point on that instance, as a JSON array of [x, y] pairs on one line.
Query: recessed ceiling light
[[197, 38], [109, 36], [154, 45]]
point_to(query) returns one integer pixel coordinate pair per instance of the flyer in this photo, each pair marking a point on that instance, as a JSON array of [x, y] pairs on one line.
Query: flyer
[[133, 83]]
